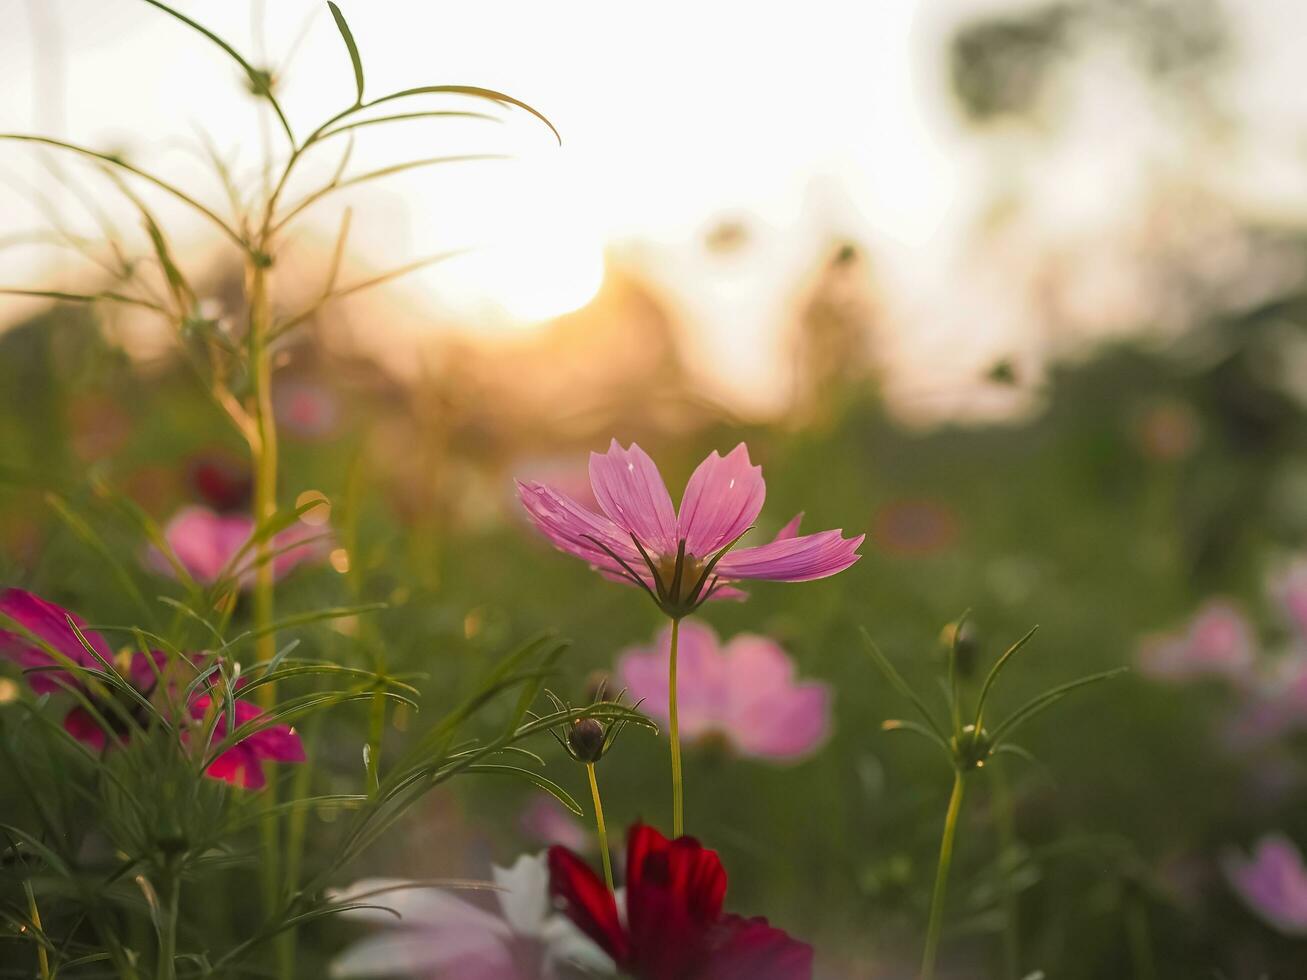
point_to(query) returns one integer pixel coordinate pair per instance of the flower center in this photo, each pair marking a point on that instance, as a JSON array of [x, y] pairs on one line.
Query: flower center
[[678, 583]]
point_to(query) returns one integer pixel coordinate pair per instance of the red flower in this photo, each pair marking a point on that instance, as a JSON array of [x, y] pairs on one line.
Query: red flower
[[674, 927]]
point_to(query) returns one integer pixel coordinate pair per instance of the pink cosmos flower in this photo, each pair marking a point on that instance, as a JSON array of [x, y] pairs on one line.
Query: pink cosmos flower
[[1218, 642], [1289, 588], [206, 543], [680, 558], [1273, 883], [744, 691], [45, 627]]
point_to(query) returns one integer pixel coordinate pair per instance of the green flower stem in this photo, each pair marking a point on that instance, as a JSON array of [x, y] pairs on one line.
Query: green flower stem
[[674, 730], [1140, 939], [170, 900], [264, 449], [599, 825], [1007, 838], [43, 958], [941, 877]]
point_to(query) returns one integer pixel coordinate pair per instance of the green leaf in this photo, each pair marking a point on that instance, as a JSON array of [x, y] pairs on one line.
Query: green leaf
[[997, 669], [88, 535], [354, 58], [1038, 703], [542, 782], [255, 77], [124, 165], [899, 684]]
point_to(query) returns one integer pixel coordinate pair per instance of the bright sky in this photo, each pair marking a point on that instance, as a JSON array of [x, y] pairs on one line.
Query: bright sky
[[809, 122]]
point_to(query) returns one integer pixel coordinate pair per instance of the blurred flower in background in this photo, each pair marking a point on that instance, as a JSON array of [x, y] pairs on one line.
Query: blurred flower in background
[[209, 544], [306, 410], [744, 691], [546, 820], [1273, 883], [1218, 642]]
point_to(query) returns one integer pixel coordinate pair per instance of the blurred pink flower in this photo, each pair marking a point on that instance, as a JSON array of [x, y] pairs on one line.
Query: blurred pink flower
[[45, 628], [1218, 642], [680, 559], [1273, 883], [206, 543], [548, 821], [443, 937], [1273, 705], [1288, 586], [744, 691], [304, 409]]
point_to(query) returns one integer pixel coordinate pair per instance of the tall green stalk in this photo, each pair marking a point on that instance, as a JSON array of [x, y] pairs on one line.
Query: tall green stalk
[[1007, 842], [264, 452], [674, 730], [169, 901], [941, 877]]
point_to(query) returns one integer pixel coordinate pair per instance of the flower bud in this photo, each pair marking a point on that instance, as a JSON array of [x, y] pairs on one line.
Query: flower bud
[[586, 739]]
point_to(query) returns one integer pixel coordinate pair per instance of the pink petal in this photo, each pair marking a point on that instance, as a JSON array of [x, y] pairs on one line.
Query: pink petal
[[48, 623], [570, 527], [632, 493], [145, 670], [81, 725], [722, 499], [429, 953], [1273, 883], [790, 530], [280, 743], [240, 767], [203, 541], [802, 559], [768, 715], [297, 544], [701, 681]]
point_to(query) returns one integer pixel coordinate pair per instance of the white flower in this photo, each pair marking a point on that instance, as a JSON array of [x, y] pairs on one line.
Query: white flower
[[440, 935]]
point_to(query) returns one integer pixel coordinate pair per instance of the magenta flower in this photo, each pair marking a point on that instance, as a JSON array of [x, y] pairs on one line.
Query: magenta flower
[[49, 649], [207, 545], [681, 559], [744, 691], [1273, 883], [1218, 642]]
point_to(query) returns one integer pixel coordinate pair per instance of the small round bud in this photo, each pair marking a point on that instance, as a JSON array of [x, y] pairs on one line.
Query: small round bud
[[973, 748], [586, 739]]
